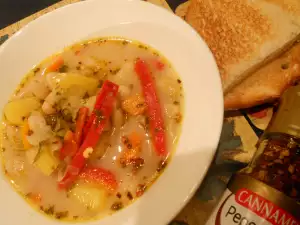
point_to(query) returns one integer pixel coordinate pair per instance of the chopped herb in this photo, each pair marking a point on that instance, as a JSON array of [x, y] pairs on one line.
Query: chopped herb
[[119, 195], [162, 165], [179, 81], [137, 163], [285, 66], [129, 146], [77, 67], [50, 210], [140, 190], [86, 95], [147, 120], [125, 42], [51, 120], [140, 105], [30, 132], [117, 206], [178, 118], [3, 149], [155, 53], [67, 116], [176, 103], [79, 62], [99, 116], [100, 83], [125, 140], [28, 195], [115, 71], [143, 47], [23, 118], [36, 69], [129, 195], [64, 68], [61, 215]]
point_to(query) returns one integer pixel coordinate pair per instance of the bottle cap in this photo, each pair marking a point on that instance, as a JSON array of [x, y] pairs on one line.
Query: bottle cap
[[287, 118]]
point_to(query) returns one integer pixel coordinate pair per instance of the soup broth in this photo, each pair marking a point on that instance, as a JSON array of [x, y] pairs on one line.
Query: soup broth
[[89, 129]]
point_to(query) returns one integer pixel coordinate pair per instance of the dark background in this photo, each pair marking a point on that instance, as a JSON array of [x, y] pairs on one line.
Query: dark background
[[12, 11]]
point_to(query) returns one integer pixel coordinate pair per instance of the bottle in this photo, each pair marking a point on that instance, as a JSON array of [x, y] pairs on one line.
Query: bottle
[[267, 191]]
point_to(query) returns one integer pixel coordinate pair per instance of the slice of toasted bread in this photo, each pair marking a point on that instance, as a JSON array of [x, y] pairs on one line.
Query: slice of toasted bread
[[268, 83], [245, 34]]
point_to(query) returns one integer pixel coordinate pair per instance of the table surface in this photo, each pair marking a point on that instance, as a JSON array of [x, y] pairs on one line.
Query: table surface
[[240, 129]]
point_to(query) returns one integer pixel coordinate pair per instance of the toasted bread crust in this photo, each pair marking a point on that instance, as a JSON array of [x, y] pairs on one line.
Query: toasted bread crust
[[268, 83]]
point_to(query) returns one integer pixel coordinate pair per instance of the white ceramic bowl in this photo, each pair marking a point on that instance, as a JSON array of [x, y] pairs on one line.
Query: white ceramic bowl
[[189, 55]]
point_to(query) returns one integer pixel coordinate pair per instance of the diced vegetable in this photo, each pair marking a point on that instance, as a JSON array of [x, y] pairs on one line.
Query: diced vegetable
[[67, 80], [81, 119], [157, 127], [17, 110], [134, 105], [46, 161], [117, 118], [69, 147], [40, 131], [32, 153], [92, 198], [95, 126], [25, 133], [99, 176], [36, 198], [55, 65], [132, 150]]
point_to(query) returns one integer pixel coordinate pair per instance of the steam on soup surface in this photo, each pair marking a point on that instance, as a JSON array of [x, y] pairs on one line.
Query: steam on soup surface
[[89, 129]]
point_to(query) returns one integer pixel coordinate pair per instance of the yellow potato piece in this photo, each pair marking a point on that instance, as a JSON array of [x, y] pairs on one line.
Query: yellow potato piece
[[67, 80], [17, 110], [93, 198], [46, 162]]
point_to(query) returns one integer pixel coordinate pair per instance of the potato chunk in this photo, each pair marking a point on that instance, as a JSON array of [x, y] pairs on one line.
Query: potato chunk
[[17, 110]]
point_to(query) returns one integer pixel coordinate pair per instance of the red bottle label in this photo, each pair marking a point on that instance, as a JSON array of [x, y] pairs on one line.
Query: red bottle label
[[264, 208], [248, 208]]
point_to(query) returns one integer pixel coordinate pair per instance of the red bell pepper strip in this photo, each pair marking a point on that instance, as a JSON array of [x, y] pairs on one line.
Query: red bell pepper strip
[[106, 88], [100, 176], [153, 110], [81, 119], [101, 113], [69, 147]]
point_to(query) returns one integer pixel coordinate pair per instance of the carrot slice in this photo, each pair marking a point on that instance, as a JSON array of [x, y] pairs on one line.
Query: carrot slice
[[69, 147], [25, 133], [55, 65]]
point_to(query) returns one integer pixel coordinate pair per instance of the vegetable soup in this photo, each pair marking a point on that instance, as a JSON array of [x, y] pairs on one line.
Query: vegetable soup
[[89, 129]]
